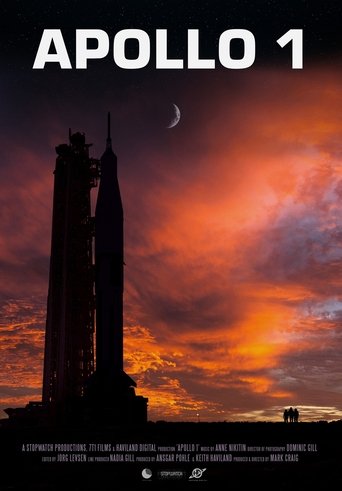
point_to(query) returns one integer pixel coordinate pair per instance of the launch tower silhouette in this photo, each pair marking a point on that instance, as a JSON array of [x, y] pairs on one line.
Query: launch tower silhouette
[[75, 385], [69, 349]]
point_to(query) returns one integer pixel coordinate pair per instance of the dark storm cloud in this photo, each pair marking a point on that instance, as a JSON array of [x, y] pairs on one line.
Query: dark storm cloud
[[28, 275], [8, 392], [181, 303]]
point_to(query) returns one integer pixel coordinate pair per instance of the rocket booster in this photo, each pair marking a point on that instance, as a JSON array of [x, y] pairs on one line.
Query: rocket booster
[[109, 264]]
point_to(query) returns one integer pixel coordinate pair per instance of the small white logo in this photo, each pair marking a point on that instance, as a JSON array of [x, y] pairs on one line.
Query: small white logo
[[197, 473], [146, 473]]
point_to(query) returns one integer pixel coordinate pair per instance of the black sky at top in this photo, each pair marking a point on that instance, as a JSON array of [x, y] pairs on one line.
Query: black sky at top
[[74, 94], [23, 23]]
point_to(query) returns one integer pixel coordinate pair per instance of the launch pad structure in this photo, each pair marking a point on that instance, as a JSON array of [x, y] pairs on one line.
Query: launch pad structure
[[84, 381], [70, 325]]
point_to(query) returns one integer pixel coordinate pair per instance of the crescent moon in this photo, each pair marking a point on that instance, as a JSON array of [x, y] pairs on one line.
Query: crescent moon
[[146, 474], [176, 117]]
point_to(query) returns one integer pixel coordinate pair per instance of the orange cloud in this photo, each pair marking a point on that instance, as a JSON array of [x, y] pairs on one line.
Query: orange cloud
[[233, 232]]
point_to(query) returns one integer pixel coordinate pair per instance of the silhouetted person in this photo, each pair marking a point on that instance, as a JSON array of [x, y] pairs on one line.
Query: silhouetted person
[[286, 416], [295, 415], [291, 414]]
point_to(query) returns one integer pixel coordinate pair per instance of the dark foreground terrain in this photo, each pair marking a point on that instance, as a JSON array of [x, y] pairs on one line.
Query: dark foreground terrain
[[227, 456]]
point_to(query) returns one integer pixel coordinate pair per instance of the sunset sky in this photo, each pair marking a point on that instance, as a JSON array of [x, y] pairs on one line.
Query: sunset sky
[[233, 230]]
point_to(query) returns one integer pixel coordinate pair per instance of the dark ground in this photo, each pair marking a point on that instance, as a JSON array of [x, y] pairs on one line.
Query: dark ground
[[315, 470]]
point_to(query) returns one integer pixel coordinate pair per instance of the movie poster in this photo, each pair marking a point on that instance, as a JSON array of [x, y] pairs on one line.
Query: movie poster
[[171, 244]]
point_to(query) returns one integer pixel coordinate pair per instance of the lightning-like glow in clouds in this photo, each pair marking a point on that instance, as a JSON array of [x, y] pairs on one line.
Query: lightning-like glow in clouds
[[233, 250]]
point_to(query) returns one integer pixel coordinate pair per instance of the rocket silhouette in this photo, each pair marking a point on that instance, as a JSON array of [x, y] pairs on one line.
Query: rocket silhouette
[[109, 280]]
